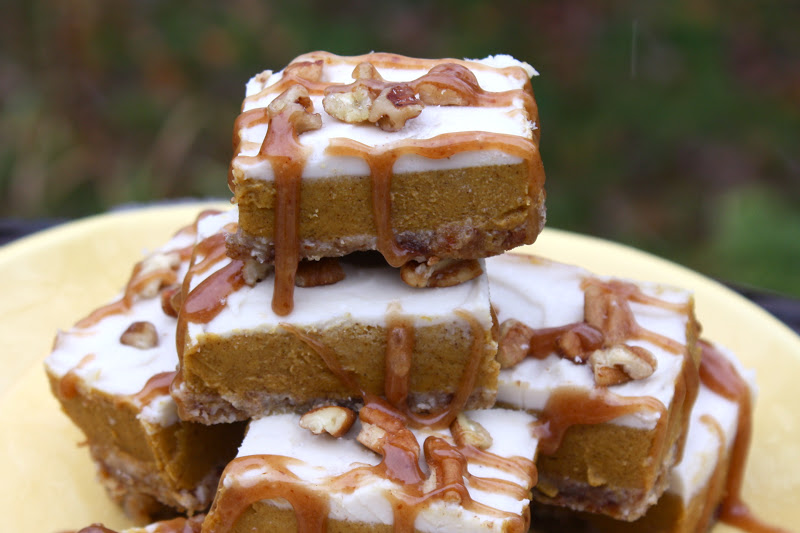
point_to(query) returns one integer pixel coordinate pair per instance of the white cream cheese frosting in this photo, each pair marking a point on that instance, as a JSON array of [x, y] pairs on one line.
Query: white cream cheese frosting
[[712, 429], [322, 458], [544, 294], [365, 296], [95, 355], [495, 74]]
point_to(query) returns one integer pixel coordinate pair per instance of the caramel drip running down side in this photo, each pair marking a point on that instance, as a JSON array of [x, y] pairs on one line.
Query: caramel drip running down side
[[398, 360], [381, 162], [719, 375], [136, 280], [287, 156], [437, 420], [310, 507], [157, 385], [569, 406]]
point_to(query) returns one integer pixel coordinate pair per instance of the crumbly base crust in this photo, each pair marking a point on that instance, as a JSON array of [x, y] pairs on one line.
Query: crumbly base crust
[[211, 408], [463, 242], [621, 503], [140, 490]]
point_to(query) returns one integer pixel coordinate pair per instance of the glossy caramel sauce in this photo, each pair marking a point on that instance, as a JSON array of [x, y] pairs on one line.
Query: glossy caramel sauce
[[398, 355], [719, 375], [282, 149], [448, 479], [158, 384], [568, 406]]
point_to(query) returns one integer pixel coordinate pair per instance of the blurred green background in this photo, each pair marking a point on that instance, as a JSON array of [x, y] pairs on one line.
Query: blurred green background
[[670, 126]]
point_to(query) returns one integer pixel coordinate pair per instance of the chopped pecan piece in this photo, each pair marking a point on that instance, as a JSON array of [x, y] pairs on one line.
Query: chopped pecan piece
[[514, 343], [296, 102], [394, 106], [331, 419], [621, 363], [440, 272], [308, 70], [448, 84], [467, 432], [254, 271], [142, 335]]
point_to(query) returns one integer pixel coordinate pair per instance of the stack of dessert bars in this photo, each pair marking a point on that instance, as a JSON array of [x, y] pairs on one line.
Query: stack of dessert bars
[[358, 330]]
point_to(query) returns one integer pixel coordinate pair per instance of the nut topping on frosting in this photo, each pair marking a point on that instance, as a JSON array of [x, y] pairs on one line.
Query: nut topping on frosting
[[448, 84], [621, 363], [394, 106], [142, 335], [296, 102], [513, 343], [254, 271], [152, 272], [308, 70], [467, 432], [440, 272], [387, 105], [326, 271], [332, 419]]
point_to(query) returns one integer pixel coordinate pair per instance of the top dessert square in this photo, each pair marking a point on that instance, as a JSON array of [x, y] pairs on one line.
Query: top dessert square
[[415, 158]]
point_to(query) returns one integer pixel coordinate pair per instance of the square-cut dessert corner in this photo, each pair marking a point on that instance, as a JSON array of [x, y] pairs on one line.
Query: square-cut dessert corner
[[610, 367], [381, 475], [710, 471], [429, 349], [416, 158], [111, 373]]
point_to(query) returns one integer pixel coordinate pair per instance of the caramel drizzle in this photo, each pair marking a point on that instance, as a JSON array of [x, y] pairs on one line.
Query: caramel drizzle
[[157, 385], [381, 162], [310, 508], [138, 280], [398, 355], [399, 463], [718, 374], [287, 157], [568, 406]]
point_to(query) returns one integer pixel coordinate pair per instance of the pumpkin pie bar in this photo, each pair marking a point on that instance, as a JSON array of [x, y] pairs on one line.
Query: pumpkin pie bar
[[712, 463], [428, 348], [383, 474], [111, 373], [609, 366], [415, 158]]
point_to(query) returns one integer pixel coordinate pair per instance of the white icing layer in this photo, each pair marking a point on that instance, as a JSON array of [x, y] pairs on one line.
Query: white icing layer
[[323, 458], [701, 454], [495, 74], [364, 297], [101, 362], [544, 294]]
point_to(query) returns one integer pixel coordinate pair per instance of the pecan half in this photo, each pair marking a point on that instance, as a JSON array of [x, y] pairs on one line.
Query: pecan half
[[448, 84], [440, 272], [326, 271]]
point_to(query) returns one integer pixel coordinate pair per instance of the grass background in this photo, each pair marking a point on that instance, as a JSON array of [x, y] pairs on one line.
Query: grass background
[[670, 126]]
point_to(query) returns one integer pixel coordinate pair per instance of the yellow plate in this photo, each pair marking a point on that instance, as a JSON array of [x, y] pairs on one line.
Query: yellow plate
[[52, 279]]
